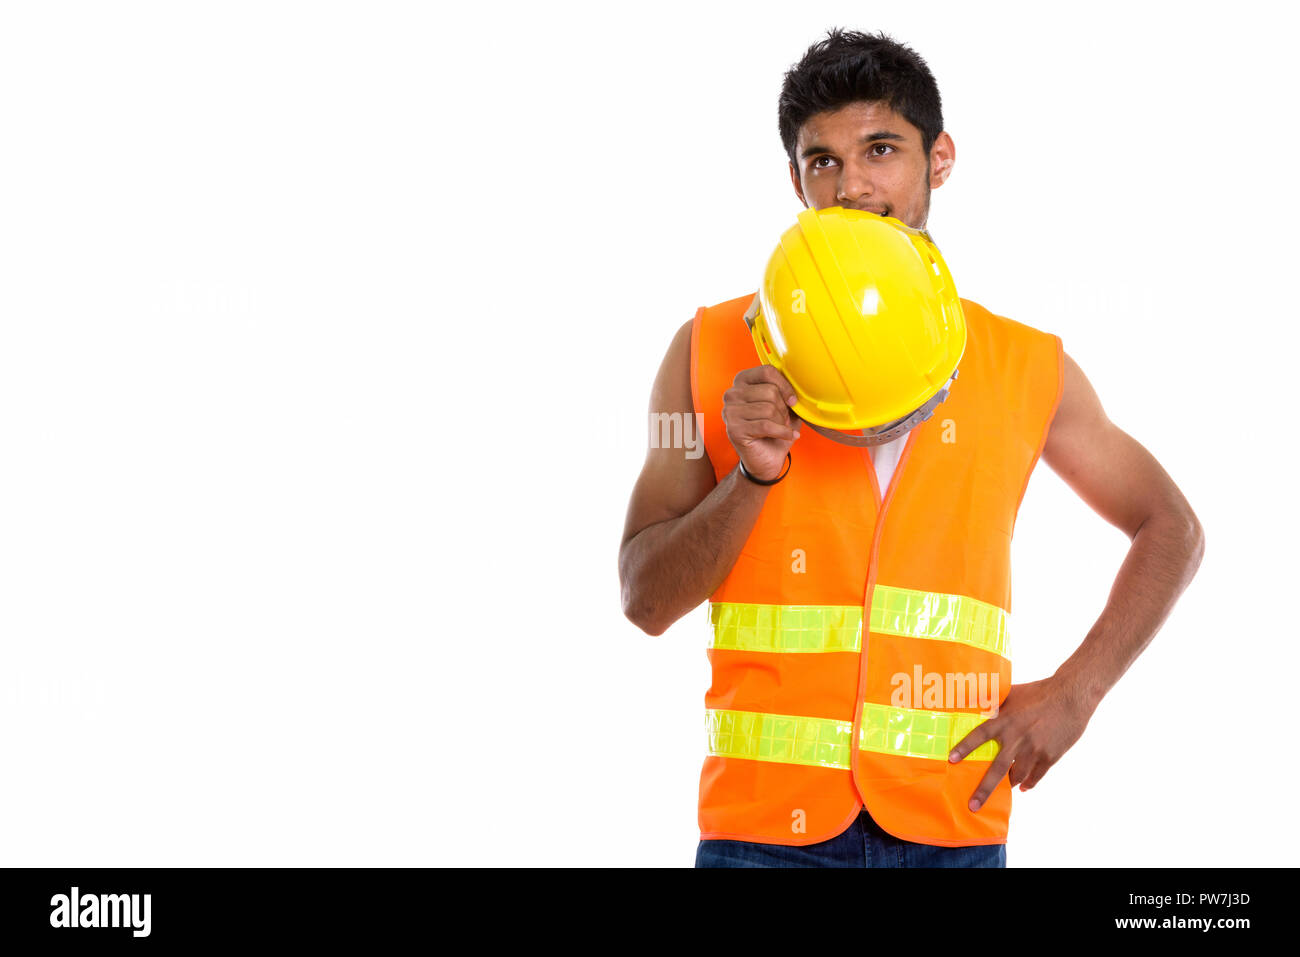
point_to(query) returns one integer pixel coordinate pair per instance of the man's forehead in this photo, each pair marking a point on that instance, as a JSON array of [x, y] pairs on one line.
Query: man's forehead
[[854, 120]]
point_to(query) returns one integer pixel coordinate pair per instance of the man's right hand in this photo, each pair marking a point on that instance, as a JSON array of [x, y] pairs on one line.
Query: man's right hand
[[760, 422]]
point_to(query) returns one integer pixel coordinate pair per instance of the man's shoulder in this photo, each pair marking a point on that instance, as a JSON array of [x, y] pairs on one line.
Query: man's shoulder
[[979, 316], [979, 319], [723, 321]]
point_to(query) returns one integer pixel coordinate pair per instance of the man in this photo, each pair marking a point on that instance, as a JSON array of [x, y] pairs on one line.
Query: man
[[797, 773]]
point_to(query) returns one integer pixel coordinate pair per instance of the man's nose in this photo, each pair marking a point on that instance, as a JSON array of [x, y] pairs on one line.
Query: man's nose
[[855, 186]]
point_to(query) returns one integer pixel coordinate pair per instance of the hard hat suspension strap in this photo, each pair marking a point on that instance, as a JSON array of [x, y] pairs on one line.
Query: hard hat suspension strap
[[904, 426]]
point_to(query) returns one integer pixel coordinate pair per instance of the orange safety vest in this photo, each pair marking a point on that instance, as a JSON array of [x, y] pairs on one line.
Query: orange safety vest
[[810, 715]]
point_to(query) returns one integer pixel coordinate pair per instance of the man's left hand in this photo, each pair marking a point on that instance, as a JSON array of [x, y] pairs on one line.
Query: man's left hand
[[1036, 724]]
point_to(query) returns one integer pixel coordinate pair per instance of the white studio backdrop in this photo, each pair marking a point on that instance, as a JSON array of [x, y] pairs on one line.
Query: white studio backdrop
[[326, 339]]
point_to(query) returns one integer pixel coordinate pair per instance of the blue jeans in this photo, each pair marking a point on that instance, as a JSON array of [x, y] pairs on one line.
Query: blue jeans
[[863, 844]]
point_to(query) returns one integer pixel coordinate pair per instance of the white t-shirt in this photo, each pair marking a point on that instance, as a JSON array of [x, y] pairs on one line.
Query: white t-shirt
[[885, 458]]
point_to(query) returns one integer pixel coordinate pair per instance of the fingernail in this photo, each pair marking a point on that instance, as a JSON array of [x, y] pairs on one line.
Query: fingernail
[[793, 400], [974, 805], [952, 756]]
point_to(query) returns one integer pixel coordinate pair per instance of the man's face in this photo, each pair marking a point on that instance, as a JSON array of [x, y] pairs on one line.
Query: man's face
[[866, 156]]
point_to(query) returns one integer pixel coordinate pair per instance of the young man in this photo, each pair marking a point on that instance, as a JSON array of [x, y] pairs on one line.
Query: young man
[[837, 575]]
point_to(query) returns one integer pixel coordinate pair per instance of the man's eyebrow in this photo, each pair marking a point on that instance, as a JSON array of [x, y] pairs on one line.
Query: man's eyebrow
[[812, 148]]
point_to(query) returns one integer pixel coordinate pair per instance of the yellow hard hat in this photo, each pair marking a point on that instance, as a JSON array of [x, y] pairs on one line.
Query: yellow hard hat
[[860, 314]]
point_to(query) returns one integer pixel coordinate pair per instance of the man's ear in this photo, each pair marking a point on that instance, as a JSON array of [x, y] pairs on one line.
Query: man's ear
[[943, 155], [798, 188]]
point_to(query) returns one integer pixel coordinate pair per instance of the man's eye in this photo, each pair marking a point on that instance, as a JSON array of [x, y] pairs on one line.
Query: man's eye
[[819, 159], [881, 146]]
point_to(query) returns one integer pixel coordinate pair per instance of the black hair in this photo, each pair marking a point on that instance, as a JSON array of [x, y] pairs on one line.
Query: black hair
[[848, 66]]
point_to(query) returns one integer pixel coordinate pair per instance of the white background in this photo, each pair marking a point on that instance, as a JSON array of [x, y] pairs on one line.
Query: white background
[[327, 337]]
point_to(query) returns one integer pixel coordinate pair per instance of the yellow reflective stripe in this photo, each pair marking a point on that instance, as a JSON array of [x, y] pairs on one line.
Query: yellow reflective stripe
[[824, 742], [939, 616], [785, 738], [785, 628], [920, 734], [738, 626]]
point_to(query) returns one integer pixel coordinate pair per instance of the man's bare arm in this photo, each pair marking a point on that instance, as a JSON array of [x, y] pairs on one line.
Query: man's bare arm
[[684, 529], [1125, 485]]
